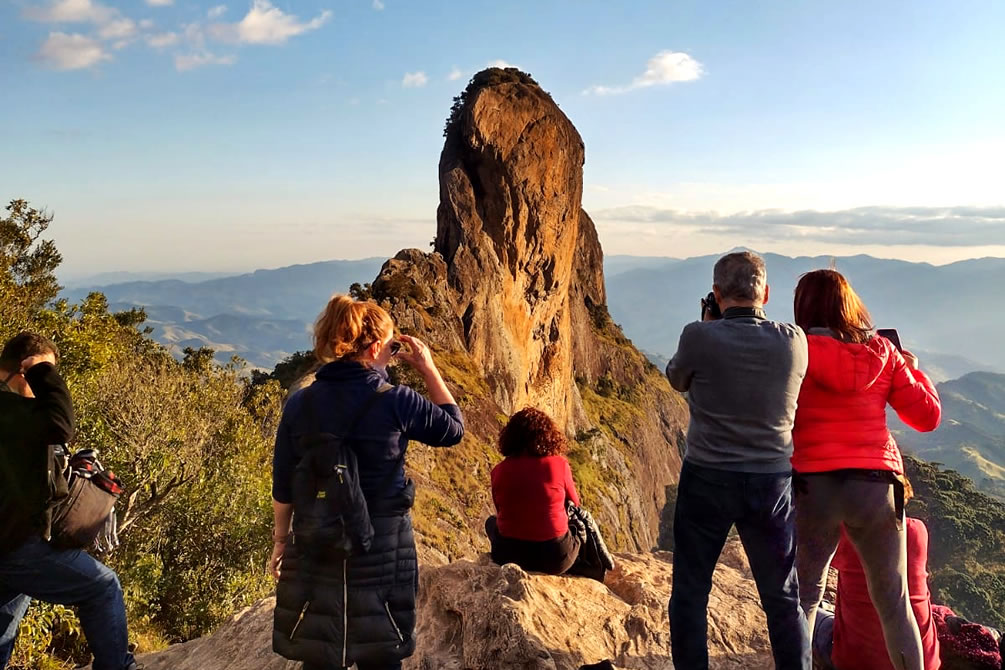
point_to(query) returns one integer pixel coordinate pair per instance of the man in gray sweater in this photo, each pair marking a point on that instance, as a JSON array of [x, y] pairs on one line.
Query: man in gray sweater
[[742, 375]]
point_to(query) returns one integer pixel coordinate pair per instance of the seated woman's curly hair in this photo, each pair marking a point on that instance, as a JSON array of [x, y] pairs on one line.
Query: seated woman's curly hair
[[531, 432]]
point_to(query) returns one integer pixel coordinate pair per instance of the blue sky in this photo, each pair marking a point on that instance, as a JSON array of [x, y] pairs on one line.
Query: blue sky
[[225, 136]]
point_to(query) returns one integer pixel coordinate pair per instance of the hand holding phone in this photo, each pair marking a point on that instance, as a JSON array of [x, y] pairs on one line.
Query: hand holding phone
[[892, 335]]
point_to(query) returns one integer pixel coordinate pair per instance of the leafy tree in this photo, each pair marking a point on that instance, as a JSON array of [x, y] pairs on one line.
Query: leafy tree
[[27, 264], [289, 370], [191, 439], [359, 291]]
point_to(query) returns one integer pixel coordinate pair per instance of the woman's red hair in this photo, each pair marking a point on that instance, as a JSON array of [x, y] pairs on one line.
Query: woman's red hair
[[531, 432], [825, 299]]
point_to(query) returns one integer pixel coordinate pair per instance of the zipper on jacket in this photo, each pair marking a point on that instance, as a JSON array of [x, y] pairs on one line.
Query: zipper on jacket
[[397, 631], [300, 620], [345, 611]]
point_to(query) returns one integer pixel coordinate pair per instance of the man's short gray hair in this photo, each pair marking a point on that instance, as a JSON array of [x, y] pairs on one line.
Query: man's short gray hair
[[740, 276]]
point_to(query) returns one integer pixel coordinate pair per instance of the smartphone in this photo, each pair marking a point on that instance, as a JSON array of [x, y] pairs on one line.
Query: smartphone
[[892, 335]]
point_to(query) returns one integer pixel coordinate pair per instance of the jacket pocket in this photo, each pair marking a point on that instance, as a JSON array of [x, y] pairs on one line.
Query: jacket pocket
[[394, 624]]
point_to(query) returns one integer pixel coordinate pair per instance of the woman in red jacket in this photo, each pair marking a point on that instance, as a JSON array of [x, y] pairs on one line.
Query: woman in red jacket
[[530, 488], [848, 466]]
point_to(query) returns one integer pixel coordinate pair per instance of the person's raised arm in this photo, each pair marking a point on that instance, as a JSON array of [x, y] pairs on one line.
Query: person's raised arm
[[435, 421], [52, 411], [420, 357], [913, 395], [680, 369]]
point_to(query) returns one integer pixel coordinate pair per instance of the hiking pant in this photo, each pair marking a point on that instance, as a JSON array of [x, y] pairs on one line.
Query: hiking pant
[[709, 503], [866, 503], [72, 577], [552, 557]]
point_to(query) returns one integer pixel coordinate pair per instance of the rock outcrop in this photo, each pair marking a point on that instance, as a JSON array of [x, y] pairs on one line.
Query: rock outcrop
[[512, 301], [474, 615]]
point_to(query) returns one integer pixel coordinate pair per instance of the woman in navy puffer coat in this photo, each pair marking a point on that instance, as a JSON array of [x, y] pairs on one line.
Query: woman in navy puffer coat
[[360, 609]]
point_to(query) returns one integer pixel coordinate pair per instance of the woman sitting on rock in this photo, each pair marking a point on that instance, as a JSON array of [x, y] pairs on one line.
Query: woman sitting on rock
[[333, 609], [534, 496], [849, 471]]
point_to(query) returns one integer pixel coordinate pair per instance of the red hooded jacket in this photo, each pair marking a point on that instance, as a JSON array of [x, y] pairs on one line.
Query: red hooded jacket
[[841, 416]]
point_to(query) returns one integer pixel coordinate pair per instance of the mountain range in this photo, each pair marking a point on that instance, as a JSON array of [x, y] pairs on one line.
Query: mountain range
[[265, 316], [940, 311]]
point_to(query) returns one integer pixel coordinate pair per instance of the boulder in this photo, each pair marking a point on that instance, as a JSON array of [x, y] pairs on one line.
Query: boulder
[[474, 615]]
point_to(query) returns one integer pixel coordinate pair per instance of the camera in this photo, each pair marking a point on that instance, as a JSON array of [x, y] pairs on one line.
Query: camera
[[710, 306]]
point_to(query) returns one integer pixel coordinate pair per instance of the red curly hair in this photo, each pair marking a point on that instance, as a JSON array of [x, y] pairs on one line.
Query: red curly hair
[[531, 432]]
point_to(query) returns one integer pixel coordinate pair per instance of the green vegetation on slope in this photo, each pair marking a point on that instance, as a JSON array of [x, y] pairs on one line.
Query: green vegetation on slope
[[966, 555]]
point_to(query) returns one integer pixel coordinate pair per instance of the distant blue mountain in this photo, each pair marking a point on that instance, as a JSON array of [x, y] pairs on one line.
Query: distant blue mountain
[[951, 309], [946, 313], [261, 316]]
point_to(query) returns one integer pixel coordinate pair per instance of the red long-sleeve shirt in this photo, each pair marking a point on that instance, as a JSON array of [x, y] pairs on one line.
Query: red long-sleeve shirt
[[858, 635], [529, 493]]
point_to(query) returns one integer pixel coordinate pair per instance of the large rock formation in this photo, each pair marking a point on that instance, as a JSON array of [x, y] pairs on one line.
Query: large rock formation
[[512, 300], [474, 615]]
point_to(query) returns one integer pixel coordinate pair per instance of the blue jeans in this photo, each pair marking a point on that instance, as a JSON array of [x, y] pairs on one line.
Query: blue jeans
[[36, 570], [709, 503]]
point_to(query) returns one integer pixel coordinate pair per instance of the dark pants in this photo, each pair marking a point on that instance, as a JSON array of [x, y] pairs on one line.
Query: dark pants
[[552, 557], [709, 503], [36, 570]]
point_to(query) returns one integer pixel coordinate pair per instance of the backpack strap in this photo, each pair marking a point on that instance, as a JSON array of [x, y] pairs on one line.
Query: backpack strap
[[366, 406], [360, 413]]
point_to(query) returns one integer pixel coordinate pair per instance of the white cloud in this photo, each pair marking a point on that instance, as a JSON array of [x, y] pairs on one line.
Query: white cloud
[[266, 24], [414, 79], [160, 3], [455, 74], [501, 63], [117, 29], [378, 5], [147, 24], [71, 11], [111, 24], [71, 52], [217, 12], [200, 58], [666, 67], [162, 40]]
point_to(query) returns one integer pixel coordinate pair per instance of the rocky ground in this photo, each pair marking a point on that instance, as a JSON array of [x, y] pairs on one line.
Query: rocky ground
[[474, 615]]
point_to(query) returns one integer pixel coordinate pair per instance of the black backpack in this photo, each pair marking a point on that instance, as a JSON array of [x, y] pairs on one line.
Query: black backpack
[[331, 519], [82, 497]]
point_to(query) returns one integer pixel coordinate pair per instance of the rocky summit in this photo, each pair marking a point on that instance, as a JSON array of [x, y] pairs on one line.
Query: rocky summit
[[512, 301], [474, 615]]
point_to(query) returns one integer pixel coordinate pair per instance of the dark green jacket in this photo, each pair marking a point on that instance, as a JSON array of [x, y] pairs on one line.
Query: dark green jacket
[[27, 427]]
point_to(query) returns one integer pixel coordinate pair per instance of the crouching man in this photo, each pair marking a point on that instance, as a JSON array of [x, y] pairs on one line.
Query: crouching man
[[36, 412]]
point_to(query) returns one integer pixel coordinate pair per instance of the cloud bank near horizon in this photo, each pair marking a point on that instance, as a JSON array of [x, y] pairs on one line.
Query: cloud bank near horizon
[[960, 226]]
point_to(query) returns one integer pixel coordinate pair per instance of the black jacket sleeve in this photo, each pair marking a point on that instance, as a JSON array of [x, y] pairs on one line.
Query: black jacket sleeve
[[52, 412]]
